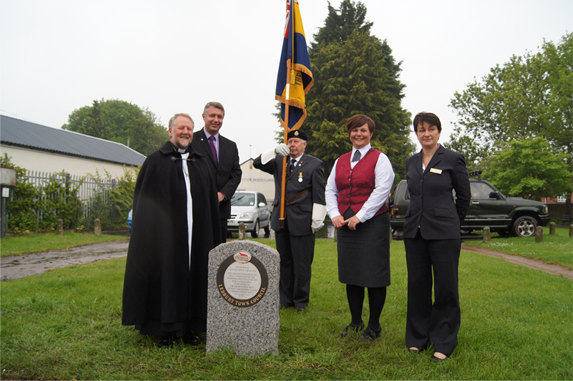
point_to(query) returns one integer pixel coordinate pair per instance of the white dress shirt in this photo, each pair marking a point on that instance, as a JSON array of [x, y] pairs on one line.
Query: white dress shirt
[[383, 184]]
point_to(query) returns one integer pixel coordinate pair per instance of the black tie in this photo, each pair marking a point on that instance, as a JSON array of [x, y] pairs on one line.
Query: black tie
[[357, 156], [291, 166]]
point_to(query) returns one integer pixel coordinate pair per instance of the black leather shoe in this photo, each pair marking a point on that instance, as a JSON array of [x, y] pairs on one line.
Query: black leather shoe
[[285, 305], [165, 342], [191, 339], [353, 327], [300, 309], [370, 334]]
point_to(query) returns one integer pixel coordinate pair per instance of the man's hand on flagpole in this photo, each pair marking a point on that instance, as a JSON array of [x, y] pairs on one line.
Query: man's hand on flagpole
[[282, 149]]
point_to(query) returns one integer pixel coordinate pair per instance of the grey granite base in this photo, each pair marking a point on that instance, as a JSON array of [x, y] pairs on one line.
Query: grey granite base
[[251, 329]]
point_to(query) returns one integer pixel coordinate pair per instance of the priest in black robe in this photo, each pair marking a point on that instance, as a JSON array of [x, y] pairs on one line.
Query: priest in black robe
[[175, 225]]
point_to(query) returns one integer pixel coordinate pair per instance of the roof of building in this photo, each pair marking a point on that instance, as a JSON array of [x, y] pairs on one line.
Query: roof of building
[[35, 136]]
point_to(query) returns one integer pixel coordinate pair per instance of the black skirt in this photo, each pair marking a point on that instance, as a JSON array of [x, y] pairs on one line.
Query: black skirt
[[364, 253]]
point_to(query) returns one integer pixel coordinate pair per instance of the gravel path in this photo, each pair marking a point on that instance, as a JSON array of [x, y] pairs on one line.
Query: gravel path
[[18, 266], [531, 263]]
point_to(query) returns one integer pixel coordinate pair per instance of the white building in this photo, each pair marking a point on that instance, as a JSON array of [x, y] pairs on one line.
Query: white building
[[46, 149]]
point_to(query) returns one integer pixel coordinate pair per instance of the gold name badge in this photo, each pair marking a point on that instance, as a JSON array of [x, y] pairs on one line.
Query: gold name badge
[[434, 170]]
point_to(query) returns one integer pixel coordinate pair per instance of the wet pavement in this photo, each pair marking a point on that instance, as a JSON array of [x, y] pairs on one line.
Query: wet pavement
[[18, 266]]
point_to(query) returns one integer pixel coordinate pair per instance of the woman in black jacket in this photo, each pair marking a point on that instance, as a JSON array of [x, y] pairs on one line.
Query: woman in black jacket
[[432, 240]]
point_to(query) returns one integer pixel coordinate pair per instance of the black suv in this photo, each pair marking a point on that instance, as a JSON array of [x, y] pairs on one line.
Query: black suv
[[488, 207]]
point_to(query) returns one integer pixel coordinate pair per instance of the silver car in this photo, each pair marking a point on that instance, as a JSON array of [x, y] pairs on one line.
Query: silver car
[[250, 208]]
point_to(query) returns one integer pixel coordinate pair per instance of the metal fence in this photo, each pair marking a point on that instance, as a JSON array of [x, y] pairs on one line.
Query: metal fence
[[89, 187]]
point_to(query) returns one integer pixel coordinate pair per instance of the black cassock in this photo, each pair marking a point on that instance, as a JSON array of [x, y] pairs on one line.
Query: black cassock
[[162, 294]]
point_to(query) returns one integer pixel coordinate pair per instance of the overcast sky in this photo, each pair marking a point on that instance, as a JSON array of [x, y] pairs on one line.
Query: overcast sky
[[174, 56]]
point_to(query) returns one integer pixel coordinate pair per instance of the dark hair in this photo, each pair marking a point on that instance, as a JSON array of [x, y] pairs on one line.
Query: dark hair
[[428, 117], [358, 121]]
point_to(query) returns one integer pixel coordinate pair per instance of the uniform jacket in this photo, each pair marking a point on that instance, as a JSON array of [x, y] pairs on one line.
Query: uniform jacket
[[227, 174], [432, 207], [308, 174], [159, 285]]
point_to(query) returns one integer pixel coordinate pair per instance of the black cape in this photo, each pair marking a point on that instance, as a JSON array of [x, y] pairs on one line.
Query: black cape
[[161, 294]]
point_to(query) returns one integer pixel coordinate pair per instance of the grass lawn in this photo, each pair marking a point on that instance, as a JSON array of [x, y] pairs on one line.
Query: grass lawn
[[556, 249], [516, 324], [35, 243]]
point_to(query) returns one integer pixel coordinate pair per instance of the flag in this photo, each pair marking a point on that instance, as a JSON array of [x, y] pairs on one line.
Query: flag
[[294, 66]]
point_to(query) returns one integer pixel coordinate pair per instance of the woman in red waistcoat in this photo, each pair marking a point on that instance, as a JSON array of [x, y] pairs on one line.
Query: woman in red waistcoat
[[356, 195]]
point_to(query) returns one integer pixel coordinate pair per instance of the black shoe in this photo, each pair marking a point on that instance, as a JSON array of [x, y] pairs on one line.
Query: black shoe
[[191, 339], [165, 342], [285, 305], [353, 327], [370, 334], [300, 309]]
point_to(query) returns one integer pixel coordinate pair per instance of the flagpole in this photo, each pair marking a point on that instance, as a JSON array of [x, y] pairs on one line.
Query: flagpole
[[287, 112]]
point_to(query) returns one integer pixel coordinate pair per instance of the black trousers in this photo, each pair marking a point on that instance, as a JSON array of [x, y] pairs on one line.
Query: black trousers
[[297, 253], [437, 322], [223, 224]]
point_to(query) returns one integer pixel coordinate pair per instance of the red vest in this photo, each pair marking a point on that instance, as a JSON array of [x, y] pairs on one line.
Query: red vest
[[355, 185]]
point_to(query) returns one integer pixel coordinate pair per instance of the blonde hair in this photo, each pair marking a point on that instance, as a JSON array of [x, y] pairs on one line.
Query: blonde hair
[[172, 120]]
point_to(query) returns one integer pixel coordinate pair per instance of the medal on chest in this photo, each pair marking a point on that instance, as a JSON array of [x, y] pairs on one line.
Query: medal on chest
[[300, 177]]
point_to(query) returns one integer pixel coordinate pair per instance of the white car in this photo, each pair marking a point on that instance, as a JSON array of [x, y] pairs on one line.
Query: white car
[[250, 208]]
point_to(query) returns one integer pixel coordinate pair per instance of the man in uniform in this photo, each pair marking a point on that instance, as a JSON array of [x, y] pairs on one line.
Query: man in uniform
[[175, 225], [223, 159], [305, 211]]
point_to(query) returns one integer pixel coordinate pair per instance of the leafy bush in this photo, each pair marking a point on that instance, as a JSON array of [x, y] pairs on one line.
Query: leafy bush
[[61, 202], [34, 208], [21, 207], [112, 205]]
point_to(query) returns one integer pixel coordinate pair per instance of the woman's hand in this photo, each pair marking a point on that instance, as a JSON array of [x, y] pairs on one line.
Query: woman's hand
[[352, 222], [338, 222]]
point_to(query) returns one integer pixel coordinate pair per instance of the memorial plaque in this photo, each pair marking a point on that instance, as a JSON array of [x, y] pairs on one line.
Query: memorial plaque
[[242, 279], [243, 298]]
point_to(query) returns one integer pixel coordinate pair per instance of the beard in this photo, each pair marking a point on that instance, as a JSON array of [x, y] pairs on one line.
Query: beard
[[181, 144]]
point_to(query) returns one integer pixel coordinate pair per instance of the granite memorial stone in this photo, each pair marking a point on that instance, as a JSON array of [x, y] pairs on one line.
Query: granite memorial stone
[[243, 298]]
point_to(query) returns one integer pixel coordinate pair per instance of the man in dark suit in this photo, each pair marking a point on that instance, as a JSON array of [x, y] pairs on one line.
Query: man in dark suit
[[305, 211], [223, 159]]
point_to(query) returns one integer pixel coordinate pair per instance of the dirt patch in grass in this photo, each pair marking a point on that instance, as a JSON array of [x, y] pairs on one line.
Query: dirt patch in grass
[[18, 266], [531, 263]]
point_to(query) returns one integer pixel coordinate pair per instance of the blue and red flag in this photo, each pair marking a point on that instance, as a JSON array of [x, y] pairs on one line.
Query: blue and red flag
[[295, 76]]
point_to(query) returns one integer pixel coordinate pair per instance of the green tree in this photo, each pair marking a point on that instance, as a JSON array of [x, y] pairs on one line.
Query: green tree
[[355, 73], [121, 122], [526, 98], [536, 171], [340, 24]]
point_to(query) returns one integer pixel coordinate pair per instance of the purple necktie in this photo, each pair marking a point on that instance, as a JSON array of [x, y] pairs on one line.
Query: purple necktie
[[212, 143]]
